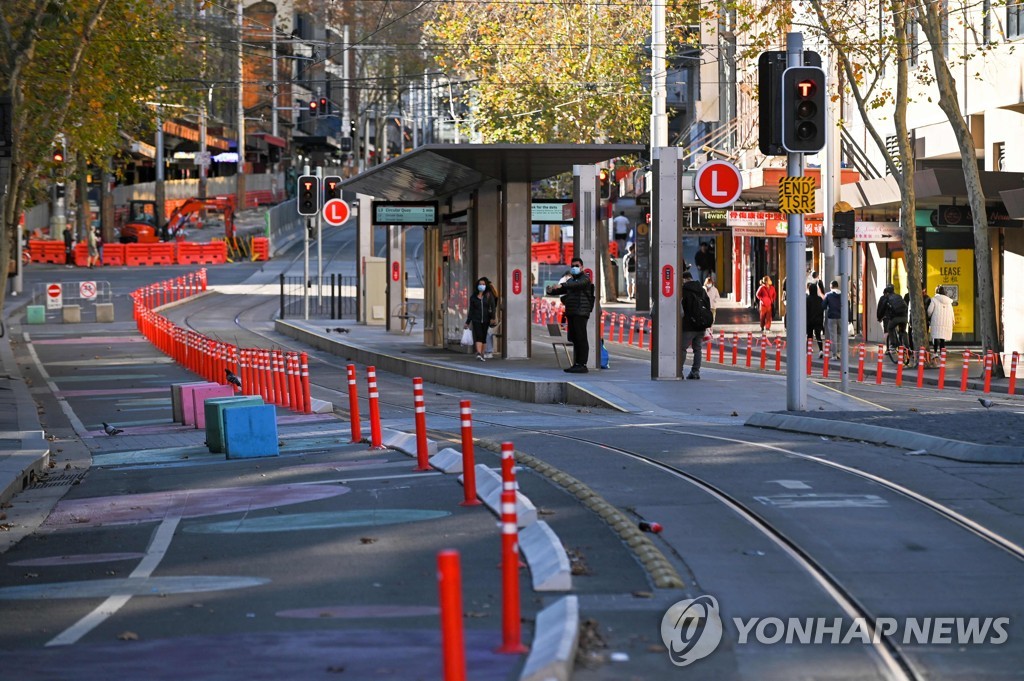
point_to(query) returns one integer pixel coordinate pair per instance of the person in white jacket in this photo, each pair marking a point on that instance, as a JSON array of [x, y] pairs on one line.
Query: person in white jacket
[[713, 296], [940, 315]]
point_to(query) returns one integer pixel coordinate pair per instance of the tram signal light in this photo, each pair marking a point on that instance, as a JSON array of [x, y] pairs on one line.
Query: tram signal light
[[325, 107], [332, 188], [314, 108], [309, 195], [58, 156], [803, 109], [604, 183]]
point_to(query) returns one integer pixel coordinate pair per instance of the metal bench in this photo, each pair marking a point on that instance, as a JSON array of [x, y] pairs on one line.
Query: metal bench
[[557, 341], [406, 314]]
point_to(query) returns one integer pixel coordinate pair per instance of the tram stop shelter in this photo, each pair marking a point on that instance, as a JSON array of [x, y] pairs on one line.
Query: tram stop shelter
[[481, 197]]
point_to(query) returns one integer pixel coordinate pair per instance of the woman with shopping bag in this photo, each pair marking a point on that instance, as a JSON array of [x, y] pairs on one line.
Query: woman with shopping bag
[[481, 314]]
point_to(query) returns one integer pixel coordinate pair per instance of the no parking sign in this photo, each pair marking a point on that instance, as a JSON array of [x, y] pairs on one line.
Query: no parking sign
[[87, 290]]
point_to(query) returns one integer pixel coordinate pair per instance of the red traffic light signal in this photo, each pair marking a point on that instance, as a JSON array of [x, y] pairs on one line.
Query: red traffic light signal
[[309, 195], [313, 107], [332, 188], [604, 184], [58, 156], [324, 105], [803, 109]]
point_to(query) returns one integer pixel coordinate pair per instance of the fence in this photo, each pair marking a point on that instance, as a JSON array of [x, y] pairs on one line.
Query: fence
[[334, 297]]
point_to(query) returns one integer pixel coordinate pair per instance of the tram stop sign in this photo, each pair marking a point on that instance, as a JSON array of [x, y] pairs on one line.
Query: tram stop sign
[[336, 212], [718, 183]]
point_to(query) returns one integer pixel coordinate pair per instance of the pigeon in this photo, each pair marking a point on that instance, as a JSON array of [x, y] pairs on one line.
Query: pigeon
[[111, 430], [232, 379], [985, 402], [338, 329]]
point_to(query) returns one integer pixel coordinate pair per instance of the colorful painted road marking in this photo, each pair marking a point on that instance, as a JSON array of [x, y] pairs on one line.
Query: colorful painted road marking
[[326, 520]]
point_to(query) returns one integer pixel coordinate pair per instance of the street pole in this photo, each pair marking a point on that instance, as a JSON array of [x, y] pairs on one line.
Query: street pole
[[845, 265], [830, 169], [240, 173], [796, 282], [305, 263], [159, 194], [319, 247]]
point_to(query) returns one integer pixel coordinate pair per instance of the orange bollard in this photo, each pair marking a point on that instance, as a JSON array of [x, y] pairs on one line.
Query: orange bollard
[[632, 329], [750, 348], [810, 357], [422, 463], [307, 399], [721, 347], [622, 326], [899, 366], [942, 369], [778, 355], [861, 355], [376, 438], [511, 625], [643, 327], [468, 462], [764, 353], [707, 354], [1013, 372], [650, 333], [920, 367], [353, 404], [453, 647], [989, 357], [878, 371], [963, 374], [828, 356], [735, 346]]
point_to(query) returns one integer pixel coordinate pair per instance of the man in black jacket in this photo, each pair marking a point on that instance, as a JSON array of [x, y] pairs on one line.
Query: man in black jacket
[[692, 294], [577, 293]]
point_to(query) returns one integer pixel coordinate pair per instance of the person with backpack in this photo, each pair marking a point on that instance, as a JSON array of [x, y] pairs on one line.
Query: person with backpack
[[892, 310], [696, 320], [629, 267], [578, 296]]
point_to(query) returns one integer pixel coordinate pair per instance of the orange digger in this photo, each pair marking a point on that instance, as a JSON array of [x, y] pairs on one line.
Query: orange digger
[[141, 229]]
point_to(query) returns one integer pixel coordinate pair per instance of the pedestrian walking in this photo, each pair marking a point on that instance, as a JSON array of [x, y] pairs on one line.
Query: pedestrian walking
[[815, 316], [69, 246], [577, 292], [493, 326], [765, 296], [713, 297], [696, 320], [480, 315], [99, 246], [942, 317], [94, 252], [629, 267], [815, 280], [833, 316], [620, 231], [704, 259]]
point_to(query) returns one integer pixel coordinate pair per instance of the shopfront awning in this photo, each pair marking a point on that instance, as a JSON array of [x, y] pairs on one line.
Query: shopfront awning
[[937, 186], [437, 171], [271, 140]]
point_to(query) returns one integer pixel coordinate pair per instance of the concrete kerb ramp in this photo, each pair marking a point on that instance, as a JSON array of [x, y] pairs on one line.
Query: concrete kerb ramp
[[904, 439], [509, 387]]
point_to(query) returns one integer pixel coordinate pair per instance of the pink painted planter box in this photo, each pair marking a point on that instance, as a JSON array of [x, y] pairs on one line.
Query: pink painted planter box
[[193, 396]]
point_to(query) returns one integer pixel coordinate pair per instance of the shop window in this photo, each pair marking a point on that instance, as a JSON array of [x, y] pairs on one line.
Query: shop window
[[1014, 19]]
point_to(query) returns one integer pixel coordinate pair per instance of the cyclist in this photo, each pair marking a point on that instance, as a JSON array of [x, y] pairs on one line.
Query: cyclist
[[892, 312]]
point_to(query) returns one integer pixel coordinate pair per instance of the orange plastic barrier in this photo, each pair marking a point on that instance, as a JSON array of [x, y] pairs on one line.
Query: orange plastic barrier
[[213, 253], [113, 255], [47, 251], [261, 197], [545, 252], [82, 254], [567, 251], [613, 249], [149, 254], [260, 248]]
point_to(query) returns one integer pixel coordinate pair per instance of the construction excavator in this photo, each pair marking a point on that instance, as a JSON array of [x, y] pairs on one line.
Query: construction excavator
[[141, 227]]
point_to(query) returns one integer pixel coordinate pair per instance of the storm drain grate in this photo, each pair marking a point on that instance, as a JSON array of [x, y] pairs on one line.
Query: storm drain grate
[[62, 480]]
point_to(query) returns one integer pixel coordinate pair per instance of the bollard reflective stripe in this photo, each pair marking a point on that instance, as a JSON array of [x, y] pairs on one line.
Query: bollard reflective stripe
[[376, 438], [468, 461], [920, 367], [1013, 373], [307, 400], [989, 361], [810, 357], [827, 356], [735, 346], [899, 365], [511, 621], [942, 369], [963, 374], [878, 372], [508, 471]]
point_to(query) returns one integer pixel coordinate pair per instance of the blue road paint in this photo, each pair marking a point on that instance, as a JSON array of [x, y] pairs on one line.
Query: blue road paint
[[151, 456], [149, 586], [316, 521]]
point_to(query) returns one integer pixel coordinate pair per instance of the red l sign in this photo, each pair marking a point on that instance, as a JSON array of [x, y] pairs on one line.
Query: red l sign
[[718, 183], [336, 212]]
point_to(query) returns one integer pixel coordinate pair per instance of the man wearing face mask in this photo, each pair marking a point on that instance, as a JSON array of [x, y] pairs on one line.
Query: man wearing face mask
[[577, 294]]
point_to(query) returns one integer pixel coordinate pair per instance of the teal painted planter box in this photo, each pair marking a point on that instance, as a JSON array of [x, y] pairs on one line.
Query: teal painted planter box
[[35, 314], [213, 410], [250, 432]]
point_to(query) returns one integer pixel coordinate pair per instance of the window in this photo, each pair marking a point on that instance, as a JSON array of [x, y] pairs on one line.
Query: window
[[1014, 19]]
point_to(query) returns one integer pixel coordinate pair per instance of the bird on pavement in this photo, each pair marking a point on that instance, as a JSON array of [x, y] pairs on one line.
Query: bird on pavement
[[232, 379], [985, 402], [111, 430]]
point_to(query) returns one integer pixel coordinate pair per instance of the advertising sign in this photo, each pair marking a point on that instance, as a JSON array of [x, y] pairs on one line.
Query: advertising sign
[[954, 270]]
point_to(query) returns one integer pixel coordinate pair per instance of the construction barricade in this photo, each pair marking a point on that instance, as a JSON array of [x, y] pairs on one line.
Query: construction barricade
[[149, 254], [44, 251], [260, 248], [213, 253]]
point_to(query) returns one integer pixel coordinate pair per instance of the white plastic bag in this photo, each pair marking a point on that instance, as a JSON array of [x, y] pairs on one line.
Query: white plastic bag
[[467, 338]]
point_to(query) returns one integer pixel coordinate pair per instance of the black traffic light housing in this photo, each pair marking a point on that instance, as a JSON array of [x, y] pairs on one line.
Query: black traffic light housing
[[332, 188], [58, 156], [325, 107], [314, 108], [770, 67], [309, 195], [604, 183], [804, 108]]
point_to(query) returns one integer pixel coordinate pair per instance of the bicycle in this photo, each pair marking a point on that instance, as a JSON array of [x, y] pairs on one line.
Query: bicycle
[[897, 339]]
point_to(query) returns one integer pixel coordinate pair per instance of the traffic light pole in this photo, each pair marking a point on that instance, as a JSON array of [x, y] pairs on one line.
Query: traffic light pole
[[796, 290], [319, 249], [845, 265], [305, 263]]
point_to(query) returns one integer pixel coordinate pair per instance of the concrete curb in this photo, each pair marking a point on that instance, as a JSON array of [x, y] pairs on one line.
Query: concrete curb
[[661, 571], [404, 442], [488, 489], [936, 446], [555, 639], [447, 460], [548, 561], [30, 460]]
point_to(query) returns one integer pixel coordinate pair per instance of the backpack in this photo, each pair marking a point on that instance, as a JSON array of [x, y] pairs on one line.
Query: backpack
[[897, 306], [698, 310]]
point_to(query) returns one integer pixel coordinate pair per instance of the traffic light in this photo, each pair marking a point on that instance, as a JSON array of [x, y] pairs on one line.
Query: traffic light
[[803, 109], [309, 195], [604, 183], [58, 156], [770, 66], [332, 188], [325, 106], [314, 108]]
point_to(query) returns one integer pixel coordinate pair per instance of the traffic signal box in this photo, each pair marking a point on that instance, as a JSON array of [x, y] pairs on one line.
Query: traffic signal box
[[604, 183], [314, 108], [772, 96], [332, 188], [324, 108], [803, 109], [309, 195]]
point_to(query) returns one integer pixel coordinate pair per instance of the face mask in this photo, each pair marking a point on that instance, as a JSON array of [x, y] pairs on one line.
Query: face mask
[[481, 287], [574, 271]]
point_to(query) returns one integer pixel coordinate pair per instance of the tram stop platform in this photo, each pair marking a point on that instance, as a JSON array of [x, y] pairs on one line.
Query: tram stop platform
[[722, 394]]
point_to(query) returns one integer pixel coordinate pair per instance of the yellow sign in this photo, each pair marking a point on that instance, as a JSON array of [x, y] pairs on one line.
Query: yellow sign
[[954, 271], [796, 195]]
